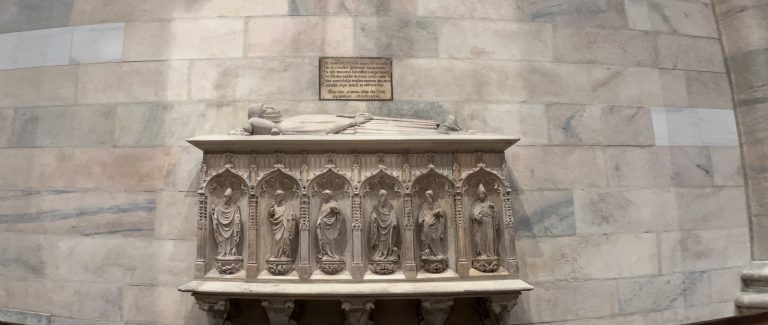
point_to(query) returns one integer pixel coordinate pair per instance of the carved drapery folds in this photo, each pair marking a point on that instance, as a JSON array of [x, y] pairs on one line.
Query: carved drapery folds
[[356, 217], [326, 212], [227, 195], [330, 194], [280, 194], [483, 192], [288, 218], [433, 209], [383, 202]]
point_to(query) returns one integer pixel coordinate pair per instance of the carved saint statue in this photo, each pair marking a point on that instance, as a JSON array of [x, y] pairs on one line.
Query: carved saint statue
[[283, 221], [268, 120], [432, 221], [484, 220], [328, 228], [226, 226], [383, 229]]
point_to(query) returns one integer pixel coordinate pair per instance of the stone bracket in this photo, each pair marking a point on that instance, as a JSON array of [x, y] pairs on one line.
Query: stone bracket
[[279, 311], [495, 310], [357, 311], [216, 308], [435, 311]]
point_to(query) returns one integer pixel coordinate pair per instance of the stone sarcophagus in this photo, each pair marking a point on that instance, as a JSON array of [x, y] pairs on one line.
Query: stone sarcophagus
[[354, 208]]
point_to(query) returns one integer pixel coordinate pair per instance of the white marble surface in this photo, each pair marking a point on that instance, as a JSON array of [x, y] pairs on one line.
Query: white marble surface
[[391, 289], [44, 47], [8, 45], [356, 143], [97, 43], [62, 46], [718, 127], [694, 127]]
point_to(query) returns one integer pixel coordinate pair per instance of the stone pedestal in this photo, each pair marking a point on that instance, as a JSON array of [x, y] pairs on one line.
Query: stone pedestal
[[343, 218]]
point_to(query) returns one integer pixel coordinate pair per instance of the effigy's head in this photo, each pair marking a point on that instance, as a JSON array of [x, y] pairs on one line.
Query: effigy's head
[[327, 195], [279, 195], [255, 110], [272, 114], [382, 195], [227, 195]]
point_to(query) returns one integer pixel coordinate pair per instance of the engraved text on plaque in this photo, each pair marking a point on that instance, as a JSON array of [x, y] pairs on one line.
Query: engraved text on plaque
[[355, 78]]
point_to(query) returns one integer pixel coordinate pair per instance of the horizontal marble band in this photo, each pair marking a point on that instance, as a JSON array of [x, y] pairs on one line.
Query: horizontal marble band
[[384, 290], [358, 144]]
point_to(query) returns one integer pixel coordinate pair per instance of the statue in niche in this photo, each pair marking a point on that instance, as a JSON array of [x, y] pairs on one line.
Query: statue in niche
[[283, 220], [383, 232], [484, 232], [432, 223], [269, 121], [226, 226], [328, 228]]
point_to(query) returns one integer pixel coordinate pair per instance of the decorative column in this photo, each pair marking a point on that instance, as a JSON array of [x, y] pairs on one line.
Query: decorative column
[[410, 269], [252, 264], [358, 270], [202, 218], [305, 270], [509, 235], [744, 34], [461, 239]]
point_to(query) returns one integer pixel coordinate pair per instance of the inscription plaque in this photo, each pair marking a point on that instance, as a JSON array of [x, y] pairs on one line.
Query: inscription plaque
[[355, 78]]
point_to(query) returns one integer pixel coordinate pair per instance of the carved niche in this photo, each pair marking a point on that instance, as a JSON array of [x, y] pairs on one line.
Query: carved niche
[[331, 214], [483, 192], [357, 218], [433, 211], [279, 195], [227, 212], [382, 197]]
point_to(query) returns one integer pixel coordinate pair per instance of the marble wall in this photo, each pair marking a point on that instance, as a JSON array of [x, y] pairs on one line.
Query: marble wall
[[629, 196]]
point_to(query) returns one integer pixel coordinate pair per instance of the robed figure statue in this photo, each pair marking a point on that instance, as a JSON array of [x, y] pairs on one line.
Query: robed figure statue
[[283, 220], [383, 229], [432, 222], [226, 226], [485, 225], [328, 228]]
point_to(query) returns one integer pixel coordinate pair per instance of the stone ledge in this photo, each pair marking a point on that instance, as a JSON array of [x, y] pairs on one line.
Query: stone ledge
[[349, 143], [383, 290]]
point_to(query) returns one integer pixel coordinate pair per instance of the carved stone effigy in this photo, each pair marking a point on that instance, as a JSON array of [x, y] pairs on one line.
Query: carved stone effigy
[[335, 207]]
